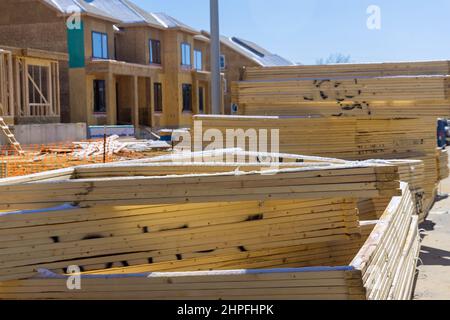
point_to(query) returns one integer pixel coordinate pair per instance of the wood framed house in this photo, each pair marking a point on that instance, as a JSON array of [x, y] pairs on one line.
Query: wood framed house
[[125, 65]]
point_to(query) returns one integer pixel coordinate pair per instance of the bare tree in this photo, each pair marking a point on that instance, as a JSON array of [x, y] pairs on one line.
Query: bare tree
[[335, 58]]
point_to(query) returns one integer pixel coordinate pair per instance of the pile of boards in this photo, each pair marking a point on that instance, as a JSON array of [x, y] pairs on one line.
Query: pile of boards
[[113, 146], [383, 90], [380, 110], [344, 138], [157, 229]]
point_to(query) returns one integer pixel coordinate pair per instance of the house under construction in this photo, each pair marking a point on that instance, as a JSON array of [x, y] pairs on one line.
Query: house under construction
[[118, 64]]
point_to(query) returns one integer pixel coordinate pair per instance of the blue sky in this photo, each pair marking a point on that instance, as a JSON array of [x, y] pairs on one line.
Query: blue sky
[[307, 30]]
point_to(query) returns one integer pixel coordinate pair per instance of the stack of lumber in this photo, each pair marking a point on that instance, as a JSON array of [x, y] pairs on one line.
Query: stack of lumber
[[186, 183], [442, 164], [388, 259], [112, 146], [385, 97], [386, 69], [219, 233], [409, 89], [382, 269], [340, 283], [88, 149], [129, 214], [410, 171], [351, 139], [371, 94], [334, 253]]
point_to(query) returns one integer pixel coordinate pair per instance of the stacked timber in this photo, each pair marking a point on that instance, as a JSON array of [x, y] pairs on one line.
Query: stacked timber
[[373, 89], [348, 138], [382, 269], [385, 97], [186, 235], [340, 283], [376, 95], [388, 259], [156, 183], [419, 68], [129, 214]]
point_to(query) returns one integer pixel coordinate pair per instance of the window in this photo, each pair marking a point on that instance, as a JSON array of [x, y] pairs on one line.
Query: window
[[223, 63], [99, 96], [187, 98], [198, 62], [201, 100], [99, 45], [157, 88], [186, 54], [155, 51]]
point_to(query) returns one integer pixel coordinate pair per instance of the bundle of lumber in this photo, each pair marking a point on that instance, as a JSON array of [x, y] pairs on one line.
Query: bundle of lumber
[[382, 269], [408, 89], [341, 283], [388, 259], [386, 69], [187, 183], [442, 164], [333, 253], [128, 213], [347, 138], [220, 233], [412, 94], [400, 96]]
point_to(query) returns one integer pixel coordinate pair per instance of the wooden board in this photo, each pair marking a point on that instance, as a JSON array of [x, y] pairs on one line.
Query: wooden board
[[140, 185]]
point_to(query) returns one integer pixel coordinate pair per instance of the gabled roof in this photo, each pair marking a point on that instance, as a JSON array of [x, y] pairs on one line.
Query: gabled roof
[[67, 7], [119, 11], [254, 52], [149, 18], [172, 23], [123, 12]]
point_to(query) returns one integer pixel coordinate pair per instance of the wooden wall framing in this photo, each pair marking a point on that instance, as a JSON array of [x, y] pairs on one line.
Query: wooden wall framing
[[6, 84], [29, 87]]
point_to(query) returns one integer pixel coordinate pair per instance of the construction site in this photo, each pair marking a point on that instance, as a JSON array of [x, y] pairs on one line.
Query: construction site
[[300, 182]]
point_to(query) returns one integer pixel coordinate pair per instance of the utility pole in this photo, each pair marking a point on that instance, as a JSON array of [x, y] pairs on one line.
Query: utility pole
[[216, 94]]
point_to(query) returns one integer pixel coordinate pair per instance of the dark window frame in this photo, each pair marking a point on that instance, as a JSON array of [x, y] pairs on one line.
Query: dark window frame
[[158, 99], [98, 99], [201, 100], [187, 97], [155, 58], [102, 37]]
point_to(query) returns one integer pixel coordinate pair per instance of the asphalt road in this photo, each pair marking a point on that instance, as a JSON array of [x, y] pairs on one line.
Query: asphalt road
[[434, 277]]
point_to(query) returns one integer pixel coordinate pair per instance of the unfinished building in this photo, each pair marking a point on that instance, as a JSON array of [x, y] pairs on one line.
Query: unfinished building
[[126, 65]]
